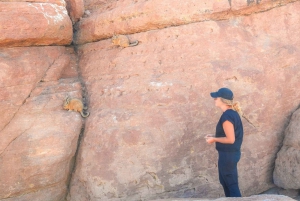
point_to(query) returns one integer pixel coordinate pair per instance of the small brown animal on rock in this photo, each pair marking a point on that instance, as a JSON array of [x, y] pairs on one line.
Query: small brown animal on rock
[[123, 41], [74, 104]]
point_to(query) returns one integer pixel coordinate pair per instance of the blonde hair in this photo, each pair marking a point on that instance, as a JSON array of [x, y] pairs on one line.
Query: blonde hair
[[234, 105]]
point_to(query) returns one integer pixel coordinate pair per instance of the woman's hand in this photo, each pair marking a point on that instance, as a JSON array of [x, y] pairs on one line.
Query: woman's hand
[[210, 139], [229, 132]]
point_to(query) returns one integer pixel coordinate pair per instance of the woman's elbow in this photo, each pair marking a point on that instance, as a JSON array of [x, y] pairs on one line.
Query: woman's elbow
[[231, 141]]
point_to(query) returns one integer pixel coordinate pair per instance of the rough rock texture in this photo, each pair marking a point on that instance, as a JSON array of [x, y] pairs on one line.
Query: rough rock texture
[[252, 198], [287, 171], [132, 16], [75, 9], [58, 2], [37, 143], [292, 193], [28, 24], [151, 106]]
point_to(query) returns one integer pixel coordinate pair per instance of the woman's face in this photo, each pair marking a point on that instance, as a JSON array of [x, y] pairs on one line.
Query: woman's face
[[218, 102]]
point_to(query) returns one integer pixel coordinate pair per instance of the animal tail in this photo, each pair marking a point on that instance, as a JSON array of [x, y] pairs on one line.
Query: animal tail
[[84, 115], [134, 43]]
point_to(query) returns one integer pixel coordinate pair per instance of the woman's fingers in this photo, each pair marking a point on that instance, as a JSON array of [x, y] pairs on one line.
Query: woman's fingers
[[210, 140]]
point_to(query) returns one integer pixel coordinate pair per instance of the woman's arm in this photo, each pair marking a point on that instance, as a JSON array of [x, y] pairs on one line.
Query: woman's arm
[[229, 132]]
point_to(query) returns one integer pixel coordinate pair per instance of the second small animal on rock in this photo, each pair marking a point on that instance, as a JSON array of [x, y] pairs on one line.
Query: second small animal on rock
[[74, 104], [123, 41]]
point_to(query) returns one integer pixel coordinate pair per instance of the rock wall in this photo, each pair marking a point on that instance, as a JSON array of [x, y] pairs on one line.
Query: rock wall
[[287, 173], [38, 139], [251, 198], [37, 142], [149, 105], [26, 24], [104, 18]]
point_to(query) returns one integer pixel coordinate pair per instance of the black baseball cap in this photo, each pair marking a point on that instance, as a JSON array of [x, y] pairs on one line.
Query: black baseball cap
[[223, 93]]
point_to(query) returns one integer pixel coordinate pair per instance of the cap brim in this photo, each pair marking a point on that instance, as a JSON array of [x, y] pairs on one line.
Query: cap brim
[[214, 94]]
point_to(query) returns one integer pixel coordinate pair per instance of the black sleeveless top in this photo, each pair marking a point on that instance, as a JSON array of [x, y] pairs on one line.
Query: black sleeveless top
[[235, 119]]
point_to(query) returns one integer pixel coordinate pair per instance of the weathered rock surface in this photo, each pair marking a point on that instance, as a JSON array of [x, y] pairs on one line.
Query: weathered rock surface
[[127, 17], [251, 198], [29, 24], [38, 139], [58, 2], [75, 9], [151, 106], [287, 171], [29, 65], [292, 193]]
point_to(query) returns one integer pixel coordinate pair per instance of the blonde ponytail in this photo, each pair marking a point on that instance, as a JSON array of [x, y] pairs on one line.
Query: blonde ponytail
[[234, 105]]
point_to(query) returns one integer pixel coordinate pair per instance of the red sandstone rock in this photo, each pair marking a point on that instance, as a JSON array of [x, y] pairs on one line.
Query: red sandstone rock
[[127, 17], [254, 4], [38, 144], [142, 16], [28, 65], [287, 172], [292, 193], [75, 9], [104, 5], [239, 4], [49, 194], [151, 106], [57, 68], [28, 24], [58, 2], [251, 198], [38, 139]]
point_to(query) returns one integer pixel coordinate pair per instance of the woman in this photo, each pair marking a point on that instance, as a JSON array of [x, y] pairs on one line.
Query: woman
[[228, 139]]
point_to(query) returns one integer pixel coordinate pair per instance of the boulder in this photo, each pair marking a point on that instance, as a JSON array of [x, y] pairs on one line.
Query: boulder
[[38, 145], [29, 66], [75, 7], [287, 171], [141, 16], [251, 198], [127, 17], [292, 193], [31, 24], [58, 2], [38, 139], [151, 106]]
